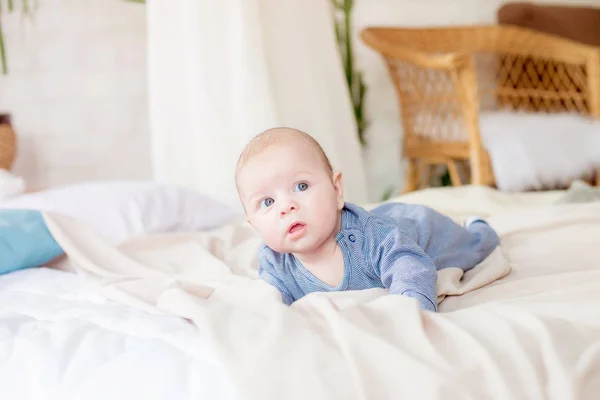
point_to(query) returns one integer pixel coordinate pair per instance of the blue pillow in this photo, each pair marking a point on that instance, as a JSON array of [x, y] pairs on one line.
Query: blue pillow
[[25, 240]]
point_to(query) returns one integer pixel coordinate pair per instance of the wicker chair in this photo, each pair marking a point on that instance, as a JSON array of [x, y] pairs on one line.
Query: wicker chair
[[444, 78]]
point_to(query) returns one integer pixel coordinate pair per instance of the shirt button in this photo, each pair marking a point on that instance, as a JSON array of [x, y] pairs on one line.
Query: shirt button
[[351, 237]]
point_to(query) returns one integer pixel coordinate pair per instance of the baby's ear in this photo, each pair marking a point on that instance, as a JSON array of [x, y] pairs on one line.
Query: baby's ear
[[338, 185]]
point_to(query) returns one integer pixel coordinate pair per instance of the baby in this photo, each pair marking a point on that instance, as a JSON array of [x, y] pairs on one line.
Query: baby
[[314, 241]]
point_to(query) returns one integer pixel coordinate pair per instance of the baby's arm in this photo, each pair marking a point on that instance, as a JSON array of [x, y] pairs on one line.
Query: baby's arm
[[404, 268], [267, 272]]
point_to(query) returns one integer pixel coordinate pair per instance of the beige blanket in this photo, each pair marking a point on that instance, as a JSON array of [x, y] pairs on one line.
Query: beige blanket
[[534, 334]]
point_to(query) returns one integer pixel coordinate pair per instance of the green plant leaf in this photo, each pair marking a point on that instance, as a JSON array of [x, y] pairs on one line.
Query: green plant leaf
[[338, 4], [3, 52], [388, 193], [445, 179], [348, 5], [339, 35], [354, 79]]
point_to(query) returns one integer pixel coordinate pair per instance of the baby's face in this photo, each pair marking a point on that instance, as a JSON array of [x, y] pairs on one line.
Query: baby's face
[[290, 198]]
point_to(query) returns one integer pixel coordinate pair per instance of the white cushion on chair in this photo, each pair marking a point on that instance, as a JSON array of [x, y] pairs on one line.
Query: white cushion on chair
[[538, 151]]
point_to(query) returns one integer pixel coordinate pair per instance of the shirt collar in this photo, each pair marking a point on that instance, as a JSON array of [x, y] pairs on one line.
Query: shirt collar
[[351, 218]]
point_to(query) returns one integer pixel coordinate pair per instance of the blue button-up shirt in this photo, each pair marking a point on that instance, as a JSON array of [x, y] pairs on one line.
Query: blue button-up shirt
[[395, 246]]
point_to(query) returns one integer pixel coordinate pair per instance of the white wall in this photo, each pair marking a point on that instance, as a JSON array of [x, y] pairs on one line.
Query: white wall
[[77, 91], [384, 133], [77, 86]]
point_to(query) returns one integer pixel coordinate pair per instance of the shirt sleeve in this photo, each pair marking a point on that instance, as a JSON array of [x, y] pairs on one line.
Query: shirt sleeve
[[403, 266], [267, 272]]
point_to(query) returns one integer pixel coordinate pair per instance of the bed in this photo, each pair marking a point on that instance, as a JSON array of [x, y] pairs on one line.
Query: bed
[[177, 314], [59, 340]]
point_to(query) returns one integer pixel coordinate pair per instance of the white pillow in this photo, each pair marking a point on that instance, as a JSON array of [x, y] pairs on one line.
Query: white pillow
[[119, 210], [10, 185]]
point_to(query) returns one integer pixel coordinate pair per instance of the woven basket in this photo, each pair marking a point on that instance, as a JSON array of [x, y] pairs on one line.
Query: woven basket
[[8, 146]]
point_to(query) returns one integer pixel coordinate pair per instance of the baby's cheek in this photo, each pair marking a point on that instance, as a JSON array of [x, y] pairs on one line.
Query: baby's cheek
[[271, 237], [327, 213]]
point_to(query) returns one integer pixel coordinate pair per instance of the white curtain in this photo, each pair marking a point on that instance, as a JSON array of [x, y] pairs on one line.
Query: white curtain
[[221, 71]]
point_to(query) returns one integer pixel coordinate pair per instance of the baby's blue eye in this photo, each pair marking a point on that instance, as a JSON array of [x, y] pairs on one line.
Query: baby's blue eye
[[268, 202], [300, 187]]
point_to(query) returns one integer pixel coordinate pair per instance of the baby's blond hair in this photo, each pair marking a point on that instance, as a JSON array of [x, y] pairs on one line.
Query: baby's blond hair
[[275, 136]]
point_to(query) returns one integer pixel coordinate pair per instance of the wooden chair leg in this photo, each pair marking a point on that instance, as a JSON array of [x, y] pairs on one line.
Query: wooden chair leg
[[478, 170], [424, 174], [597, 183], [412, 176], [490, 174], [454, 174], [490, 180]]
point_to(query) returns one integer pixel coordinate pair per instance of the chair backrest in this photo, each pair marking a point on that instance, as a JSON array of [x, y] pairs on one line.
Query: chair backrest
[[578, 23]]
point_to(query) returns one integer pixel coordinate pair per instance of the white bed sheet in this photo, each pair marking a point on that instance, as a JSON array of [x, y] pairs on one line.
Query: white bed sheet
[[534, 334], [58, 341]]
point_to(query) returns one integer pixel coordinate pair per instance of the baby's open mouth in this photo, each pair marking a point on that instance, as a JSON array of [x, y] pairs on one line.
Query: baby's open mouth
[[295, 227]]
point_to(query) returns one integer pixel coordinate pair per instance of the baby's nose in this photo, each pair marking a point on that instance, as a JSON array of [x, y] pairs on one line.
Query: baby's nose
[[288, 208]]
